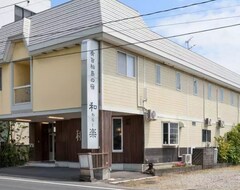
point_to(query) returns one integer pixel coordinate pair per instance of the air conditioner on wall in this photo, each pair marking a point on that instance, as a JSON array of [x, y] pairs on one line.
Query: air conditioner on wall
[[220, 124], [208, 122], [151, 115], [187, 159]]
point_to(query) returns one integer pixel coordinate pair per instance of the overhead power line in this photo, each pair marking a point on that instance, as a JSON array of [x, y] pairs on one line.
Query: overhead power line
[[177, 23], [173, 54], [150, 40], [163, 11], [143, 15], [193, 12], [145, 41], [113, 21], [197, 21]]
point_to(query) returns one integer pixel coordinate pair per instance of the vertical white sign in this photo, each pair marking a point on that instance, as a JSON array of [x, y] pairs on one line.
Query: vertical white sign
[[90, 82]]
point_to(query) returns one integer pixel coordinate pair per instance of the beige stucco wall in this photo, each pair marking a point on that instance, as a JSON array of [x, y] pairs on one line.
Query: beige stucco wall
[[57, 80], [5, 94], [19, 51]]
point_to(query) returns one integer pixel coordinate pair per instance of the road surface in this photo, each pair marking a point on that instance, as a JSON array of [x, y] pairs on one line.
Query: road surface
[[13, 183]]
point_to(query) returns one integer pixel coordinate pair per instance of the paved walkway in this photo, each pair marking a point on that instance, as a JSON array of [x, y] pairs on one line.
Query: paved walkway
[[123, 176], [64, 174]]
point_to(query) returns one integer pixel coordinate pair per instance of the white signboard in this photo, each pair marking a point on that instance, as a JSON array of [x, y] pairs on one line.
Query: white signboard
[[90, 82]]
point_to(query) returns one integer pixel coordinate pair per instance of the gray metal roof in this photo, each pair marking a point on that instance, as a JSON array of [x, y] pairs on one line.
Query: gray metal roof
[[65, 22]]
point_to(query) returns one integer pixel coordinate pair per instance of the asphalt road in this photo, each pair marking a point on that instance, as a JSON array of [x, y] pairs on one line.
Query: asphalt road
[[12, 183]]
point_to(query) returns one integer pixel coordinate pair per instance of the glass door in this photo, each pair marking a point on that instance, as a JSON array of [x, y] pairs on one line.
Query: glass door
[[52, 142]]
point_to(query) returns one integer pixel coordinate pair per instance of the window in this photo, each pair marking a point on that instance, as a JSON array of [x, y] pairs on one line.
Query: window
[[0, 79], [158, 74], [206, 135], [117, 135], [178, 81], [232, 98], [195, 86], [126, 65], [170, 133], [221, 95], [21, 13], [209, 91]]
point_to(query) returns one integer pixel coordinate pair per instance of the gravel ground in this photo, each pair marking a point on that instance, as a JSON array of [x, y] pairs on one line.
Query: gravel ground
[[212, 179]]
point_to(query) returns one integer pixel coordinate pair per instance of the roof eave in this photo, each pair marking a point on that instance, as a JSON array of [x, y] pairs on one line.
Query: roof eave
[[144, 51], [74, 38]]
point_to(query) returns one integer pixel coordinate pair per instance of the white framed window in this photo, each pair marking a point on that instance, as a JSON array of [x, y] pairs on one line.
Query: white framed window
[[209, 91], [195, 86], [170, 133], [126, 65], [178, 81], [232, 98], [221, 95], [117, 134], [158, 74]]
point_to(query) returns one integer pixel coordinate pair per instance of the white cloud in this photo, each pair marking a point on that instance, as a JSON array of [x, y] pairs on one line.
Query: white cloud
[[221, 46]]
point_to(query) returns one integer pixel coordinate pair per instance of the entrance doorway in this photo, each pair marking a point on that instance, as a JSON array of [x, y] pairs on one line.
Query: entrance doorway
[[52, 141]]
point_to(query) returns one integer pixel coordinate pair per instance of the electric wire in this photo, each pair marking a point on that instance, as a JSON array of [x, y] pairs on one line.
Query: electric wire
[[177, 23], [113, 21], [161, 11], [155, 46], [193, 12], [173, 36], [149, 40]]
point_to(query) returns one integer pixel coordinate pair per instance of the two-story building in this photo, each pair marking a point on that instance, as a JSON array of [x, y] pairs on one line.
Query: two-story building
[[90, 76]]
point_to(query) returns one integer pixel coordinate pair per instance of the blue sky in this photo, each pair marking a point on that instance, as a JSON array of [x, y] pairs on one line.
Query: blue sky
[[219, 46]]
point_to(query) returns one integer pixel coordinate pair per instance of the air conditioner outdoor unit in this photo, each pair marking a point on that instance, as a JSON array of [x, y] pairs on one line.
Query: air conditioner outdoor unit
[[187, 159], [208, 122], [220, 124], [151, 115]]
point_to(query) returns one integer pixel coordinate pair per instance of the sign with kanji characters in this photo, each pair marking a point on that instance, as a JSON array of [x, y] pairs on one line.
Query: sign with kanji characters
[[90, 90]]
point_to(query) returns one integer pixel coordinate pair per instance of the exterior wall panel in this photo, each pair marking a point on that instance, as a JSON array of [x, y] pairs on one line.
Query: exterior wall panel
[[118, 91], [133, 141], [170, 104], [57, 81], [5, 93], [19, 51]]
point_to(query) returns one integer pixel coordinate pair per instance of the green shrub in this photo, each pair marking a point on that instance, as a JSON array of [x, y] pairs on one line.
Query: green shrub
[[229, 146], [12, 152]]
